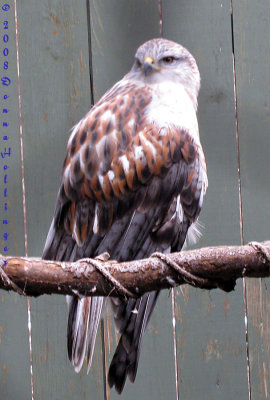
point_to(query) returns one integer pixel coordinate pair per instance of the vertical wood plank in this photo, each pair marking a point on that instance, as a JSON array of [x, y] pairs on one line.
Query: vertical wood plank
[[252, 58], [54, 77], [210, 326], [118, 28], [14, 346], [55, 85]]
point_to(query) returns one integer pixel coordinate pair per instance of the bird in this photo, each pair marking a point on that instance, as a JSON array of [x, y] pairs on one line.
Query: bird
[[133, 183]]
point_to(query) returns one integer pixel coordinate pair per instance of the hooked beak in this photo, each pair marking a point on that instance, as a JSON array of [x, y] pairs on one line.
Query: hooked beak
[[149, 66]]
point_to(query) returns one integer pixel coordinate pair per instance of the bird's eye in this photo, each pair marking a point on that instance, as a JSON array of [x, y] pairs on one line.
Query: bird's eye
[[138, 63], [168, 60]]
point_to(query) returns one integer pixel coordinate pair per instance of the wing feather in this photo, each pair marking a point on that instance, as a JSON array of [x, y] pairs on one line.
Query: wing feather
[[128, 187]]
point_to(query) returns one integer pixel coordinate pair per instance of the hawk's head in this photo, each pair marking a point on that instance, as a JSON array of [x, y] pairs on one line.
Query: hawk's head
[[160, 60]]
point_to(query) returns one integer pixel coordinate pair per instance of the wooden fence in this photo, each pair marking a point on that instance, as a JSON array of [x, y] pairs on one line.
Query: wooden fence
[[50, 93]]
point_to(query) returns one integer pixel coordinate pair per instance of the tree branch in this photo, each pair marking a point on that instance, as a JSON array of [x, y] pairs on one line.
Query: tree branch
[[208, 268]]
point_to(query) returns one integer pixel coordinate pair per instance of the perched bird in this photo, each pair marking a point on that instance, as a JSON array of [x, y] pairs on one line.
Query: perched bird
[[133, 183]]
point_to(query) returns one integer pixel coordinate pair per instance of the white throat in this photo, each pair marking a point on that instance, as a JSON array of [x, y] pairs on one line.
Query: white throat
[[171, 105]]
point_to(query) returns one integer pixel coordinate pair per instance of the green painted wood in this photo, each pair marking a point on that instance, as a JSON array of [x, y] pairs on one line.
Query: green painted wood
[[53, 41], [252, 44], [14, 346], [54, 65], [118, 28], [210, 326]]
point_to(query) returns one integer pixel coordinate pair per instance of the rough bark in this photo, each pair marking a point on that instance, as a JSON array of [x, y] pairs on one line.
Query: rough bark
[[208, 268]]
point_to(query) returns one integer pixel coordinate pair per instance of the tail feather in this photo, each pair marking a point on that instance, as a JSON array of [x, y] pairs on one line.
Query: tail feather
[[131, 318], [126, 357], [72, 306], [95, 311], [122, 312], [84, 315], [77, 331], [138, 333]]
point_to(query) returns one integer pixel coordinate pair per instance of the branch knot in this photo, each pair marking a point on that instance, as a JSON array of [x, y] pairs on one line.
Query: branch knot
[[262, 250], [193, 279]]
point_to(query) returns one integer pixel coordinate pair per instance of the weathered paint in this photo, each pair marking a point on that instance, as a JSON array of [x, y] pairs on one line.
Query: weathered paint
[[14, 347], [252, 56], [54, 76], [211, 344], [210, 335]]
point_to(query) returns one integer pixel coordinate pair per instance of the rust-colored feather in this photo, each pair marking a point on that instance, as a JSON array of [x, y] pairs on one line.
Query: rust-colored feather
[[133, 182]]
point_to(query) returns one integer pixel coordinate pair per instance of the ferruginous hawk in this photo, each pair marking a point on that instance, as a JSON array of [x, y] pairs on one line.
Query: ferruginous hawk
[[133, 183]]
